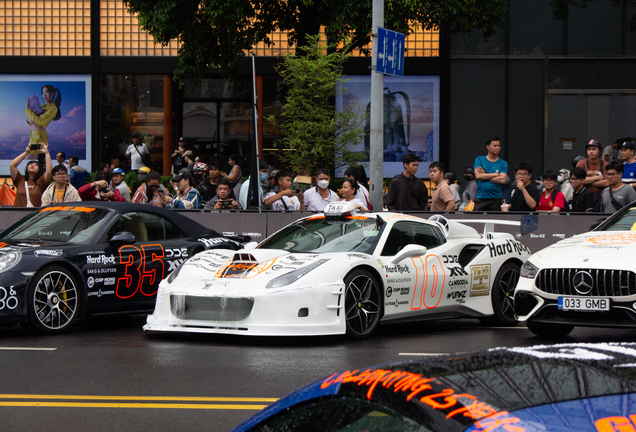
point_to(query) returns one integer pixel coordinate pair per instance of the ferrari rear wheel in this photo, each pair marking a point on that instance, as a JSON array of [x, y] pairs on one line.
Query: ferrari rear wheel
[[363, 304], [53, 300], [502, 297], [551, 331]]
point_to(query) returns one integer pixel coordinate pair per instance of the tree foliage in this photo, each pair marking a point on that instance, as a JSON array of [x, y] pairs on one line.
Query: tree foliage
[[218, 33], [313, 133], [561, 8]]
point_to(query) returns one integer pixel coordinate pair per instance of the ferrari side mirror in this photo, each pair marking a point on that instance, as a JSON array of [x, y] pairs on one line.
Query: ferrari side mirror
[[409, 251]]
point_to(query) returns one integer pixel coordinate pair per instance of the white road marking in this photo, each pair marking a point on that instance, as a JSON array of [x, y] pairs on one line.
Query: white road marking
[[422, 354], [26, 349]]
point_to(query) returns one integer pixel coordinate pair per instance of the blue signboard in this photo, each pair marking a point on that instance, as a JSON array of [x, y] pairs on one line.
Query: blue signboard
[[390, 60]]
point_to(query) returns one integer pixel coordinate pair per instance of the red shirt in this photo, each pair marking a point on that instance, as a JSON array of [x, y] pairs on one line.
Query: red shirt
[[545, 203]]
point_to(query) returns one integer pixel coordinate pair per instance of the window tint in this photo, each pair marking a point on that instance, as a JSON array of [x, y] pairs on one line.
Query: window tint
[[130, 222], [406, 233], [160, 228], [340, 414]]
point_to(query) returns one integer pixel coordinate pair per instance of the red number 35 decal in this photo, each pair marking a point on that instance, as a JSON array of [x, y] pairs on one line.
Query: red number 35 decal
[[139, 269]]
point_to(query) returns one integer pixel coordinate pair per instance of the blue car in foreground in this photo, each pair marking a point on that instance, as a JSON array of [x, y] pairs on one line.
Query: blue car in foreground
[[566, 387]]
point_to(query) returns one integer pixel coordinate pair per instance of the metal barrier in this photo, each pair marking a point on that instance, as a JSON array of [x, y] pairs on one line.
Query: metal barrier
[[259, 225]]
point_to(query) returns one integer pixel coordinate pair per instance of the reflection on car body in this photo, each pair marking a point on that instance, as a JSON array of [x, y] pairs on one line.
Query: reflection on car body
[[66, 261]]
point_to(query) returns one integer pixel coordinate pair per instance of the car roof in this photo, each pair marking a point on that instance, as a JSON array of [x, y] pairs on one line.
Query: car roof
[[190, 227], [438, 391]]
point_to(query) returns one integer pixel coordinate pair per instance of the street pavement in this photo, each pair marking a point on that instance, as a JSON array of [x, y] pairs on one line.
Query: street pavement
[[107, 374]]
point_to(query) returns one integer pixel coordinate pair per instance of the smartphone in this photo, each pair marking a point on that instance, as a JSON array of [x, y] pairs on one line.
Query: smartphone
[[35, 146], [162, 194], [297, 191], [226, 203]]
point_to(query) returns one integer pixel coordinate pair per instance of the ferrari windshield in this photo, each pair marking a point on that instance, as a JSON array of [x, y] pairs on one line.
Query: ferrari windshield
[[59, 224], [322, 235], [625, 221]]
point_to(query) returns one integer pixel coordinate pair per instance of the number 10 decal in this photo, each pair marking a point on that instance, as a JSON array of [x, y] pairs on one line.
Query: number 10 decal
[[134, 275], [430, 279]]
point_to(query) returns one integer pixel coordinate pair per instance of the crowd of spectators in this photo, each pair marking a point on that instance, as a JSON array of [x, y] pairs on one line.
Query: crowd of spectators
[[603, 181]]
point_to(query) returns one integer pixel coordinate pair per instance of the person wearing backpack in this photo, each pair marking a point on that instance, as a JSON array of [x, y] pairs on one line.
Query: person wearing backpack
[[618, 194], [551, 200]]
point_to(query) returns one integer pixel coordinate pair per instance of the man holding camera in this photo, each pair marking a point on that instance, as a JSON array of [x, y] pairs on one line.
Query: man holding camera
[[286, 198], [222, 199], [99, 191]]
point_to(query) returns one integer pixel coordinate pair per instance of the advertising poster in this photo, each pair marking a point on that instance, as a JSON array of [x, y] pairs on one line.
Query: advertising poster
[[70, 133], [411, 118]]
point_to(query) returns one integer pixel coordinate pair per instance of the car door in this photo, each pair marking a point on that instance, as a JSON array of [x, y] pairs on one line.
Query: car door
[[416, 284], [126, 277]]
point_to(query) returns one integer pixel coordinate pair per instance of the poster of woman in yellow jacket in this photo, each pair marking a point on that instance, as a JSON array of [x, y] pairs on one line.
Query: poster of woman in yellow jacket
[[51, 111]]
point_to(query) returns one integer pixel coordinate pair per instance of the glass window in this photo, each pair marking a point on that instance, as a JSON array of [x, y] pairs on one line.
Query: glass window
[[129, 222], [160, 228], [340, 414], [218, 88], [132, 103], [595, 30], [76, 225], [322, 235], [406, 233], [533, 30]]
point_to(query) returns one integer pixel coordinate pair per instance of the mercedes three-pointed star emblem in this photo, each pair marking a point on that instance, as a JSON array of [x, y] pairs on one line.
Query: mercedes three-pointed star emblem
[[583, 282]]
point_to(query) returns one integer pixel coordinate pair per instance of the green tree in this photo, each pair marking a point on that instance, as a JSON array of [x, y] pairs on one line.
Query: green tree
[[313, 132], [561, 8], [218, 33]]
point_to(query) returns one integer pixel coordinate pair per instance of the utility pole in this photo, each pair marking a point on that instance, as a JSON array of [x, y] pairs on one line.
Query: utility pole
[[376, 156]]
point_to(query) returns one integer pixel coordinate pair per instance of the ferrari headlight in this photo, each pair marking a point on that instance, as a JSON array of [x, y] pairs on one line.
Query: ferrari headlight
[[293, 276], [8, 260], [529, 270]]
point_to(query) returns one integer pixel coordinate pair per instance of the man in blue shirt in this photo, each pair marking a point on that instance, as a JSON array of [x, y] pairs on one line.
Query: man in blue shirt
[[627, 155], [491, 172]]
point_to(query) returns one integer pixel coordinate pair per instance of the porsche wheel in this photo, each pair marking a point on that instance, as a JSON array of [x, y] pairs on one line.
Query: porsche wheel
[[53, 300], [363, 304], [550, 331], [502, 297]]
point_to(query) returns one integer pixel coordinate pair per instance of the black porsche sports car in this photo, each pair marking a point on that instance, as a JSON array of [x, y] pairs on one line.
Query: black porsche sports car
[[545, 388], [82, 259]]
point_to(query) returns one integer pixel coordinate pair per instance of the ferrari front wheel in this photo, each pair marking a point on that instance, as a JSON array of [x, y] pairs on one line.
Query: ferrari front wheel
[[363, 304], [502, 297], [53, 300]]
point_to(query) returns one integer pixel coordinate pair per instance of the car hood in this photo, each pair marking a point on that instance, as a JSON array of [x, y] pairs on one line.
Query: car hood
[[37, 247], [224, 270], [603, 245]]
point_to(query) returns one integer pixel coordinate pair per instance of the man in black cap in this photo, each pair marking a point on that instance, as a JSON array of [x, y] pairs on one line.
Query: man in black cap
[[135, 152], [595, 181], [188, 197], [628, 148], [470, 192]]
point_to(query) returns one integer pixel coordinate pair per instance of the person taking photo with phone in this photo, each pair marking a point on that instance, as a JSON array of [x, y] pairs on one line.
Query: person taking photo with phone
[[151, 192], [31, 185]]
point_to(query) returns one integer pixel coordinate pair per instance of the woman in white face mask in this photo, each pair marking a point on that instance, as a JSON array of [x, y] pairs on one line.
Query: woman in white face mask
[[563, 180], [318, 197]]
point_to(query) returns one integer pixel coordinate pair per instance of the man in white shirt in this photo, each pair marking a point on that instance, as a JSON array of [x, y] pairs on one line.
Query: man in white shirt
[[317, 198], [135, 151], [286, 198]]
